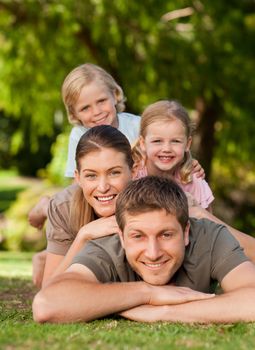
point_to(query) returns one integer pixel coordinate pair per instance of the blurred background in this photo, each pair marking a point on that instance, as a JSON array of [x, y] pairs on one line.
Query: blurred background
[[201, 53]]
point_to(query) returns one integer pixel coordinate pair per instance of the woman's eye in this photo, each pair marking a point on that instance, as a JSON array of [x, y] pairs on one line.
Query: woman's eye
[[90, 176], [115, 172]]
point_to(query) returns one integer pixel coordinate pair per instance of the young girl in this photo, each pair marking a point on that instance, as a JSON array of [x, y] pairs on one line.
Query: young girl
[[163, 149]]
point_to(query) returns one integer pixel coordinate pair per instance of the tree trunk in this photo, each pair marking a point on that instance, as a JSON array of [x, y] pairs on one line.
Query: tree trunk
[[208, 115]]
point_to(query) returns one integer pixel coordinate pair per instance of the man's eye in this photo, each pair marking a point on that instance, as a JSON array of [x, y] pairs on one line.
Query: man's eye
[[137, 236], [167, 235]]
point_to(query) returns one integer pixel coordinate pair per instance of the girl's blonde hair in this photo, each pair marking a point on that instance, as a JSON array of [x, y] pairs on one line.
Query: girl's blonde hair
[[164, 111], [82, 76], [95, 139]]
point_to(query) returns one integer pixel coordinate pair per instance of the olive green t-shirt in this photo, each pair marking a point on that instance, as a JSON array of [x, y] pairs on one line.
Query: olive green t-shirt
[[211, 254]]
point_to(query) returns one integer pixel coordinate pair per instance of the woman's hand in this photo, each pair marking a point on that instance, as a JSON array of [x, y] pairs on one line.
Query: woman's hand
[[99, 228]]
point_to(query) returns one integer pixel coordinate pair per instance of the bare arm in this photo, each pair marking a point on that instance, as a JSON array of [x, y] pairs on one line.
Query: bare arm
[[56, 264], [236, 304], [246, 242], [76, 295]]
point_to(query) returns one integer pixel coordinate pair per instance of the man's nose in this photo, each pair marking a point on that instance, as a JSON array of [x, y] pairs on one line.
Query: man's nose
[[153, 250]]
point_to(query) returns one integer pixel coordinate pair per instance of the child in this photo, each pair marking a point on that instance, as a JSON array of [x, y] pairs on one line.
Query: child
[[163, 149], [91, 97]]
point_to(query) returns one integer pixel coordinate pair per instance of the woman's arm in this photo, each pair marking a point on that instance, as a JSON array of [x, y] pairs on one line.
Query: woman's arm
[[56, 264]]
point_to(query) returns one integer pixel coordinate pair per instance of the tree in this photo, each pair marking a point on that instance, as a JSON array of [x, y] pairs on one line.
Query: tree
[[199, 53]]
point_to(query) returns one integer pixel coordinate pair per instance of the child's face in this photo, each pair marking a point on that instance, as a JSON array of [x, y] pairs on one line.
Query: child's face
[[96, 106], [164, 145]]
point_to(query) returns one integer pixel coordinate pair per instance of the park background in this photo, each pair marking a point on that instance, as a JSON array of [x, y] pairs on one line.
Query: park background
[[201, 53]]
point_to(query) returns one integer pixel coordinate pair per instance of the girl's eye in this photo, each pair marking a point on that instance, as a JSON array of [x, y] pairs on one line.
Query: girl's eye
[[176, 141], [85, 108], [156, 141], [102, 100]]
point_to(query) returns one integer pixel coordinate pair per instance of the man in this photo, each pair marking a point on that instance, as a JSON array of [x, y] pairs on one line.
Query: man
[[160, 267]]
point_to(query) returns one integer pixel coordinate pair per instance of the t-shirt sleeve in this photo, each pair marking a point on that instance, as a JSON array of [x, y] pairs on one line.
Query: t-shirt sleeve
[[70, 164], [201, 192], [59, 237], [226, 254], [98, 261]]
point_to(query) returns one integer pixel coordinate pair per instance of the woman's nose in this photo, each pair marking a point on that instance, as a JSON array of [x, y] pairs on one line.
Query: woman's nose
[[103, 185]]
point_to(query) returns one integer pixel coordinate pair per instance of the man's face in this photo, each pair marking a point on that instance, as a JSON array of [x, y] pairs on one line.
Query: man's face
[[154, 243]]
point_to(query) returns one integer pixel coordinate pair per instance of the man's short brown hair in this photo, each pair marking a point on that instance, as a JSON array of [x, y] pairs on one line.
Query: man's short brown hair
[[152, 193]]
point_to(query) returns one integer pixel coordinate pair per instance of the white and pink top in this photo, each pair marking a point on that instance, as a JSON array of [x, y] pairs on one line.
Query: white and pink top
[[198, 188]]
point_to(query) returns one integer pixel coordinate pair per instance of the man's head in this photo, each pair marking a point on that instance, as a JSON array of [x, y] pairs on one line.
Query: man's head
[[152, 214]]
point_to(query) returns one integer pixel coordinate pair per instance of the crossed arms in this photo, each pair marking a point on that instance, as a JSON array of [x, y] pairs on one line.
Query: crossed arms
[[76, 295]]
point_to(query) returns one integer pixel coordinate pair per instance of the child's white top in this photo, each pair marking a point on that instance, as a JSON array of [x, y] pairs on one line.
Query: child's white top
[[129, 125]]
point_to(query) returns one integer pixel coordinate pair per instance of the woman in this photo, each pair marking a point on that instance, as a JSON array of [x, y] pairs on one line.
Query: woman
[[104, 167]]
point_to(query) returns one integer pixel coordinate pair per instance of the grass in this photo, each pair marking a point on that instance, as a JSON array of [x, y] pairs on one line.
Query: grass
[[19, 331]]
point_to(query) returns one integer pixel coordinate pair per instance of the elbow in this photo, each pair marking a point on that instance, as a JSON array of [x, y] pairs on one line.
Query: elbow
[[42, 311]]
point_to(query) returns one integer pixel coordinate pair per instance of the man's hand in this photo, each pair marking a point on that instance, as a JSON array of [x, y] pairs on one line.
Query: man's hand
[[197, 169], [172, 295]]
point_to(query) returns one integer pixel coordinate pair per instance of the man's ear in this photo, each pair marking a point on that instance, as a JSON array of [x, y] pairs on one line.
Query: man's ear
[[186, 234], [189, 142]]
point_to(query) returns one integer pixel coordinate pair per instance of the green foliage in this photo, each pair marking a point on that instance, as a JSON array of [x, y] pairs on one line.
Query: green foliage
[[56, 169], [19, 331], [204, 58], [16, 233]]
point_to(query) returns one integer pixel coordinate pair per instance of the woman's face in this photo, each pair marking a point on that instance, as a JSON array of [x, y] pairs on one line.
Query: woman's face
[[103, 175]]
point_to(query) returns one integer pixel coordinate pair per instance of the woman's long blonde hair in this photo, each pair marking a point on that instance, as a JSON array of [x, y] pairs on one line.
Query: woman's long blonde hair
[[164, 111], [95, 139]]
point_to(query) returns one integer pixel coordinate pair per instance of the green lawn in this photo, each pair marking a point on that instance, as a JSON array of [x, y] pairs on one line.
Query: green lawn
[[18, 331]]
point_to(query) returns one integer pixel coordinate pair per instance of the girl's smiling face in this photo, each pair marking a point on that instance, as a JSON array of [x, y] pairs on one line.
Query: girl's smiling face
[[164, 145]]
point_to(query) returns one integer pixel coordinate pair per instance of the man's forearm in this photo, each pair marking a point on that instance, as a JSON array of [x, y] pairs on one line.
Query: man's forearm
[[236, 306], [69, 298]]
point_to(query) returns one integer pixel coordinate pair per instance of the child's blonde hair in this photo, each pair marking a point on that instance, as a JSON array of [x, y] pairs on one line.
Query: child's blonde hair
[[164, 111], [82, 76]]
